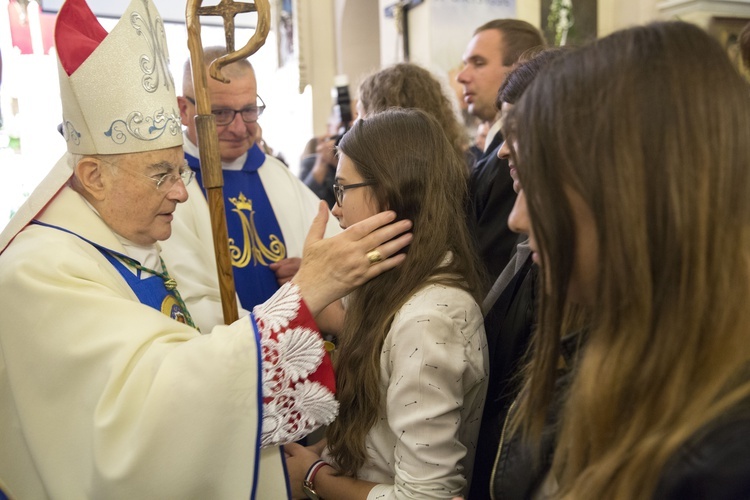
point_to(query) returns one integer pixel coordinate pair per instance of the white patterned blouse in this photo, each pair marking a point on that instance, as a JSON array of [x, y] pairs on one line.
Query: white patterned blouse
[[434, 370]]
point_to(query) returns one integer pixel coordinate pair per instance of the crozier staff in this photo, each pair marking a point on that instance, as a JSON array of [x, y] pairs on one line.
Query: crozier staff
[[206, 123], [106, 391]]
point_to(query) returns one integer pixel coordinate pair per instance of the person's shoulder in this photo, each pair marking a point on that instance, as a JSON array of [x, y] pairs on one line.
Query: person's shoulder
[[714, 463], [39, 251], [272, 166], [441, 291], [271, 162], [489, 168], [35, 240], [447, 302]]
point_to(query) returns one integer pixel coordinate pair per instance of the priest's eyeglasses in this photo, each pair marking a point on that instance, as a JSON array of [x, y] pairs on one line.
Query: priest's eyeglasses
[[339, 189], [225, 116]]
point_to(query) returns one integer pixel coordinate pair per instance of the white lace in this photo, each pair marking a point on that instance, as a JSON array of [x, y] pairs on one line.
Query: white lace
[[297, 405]]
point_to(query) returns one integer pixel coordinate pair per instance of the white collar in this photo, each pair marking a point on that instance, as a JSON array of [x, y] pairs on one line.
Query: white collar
[[491, 133], [192, 150]]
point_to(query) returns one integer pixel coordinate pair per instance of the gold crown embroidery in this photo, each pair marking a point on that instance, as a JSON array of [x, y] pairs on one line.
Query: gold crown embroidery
[[253, 248]]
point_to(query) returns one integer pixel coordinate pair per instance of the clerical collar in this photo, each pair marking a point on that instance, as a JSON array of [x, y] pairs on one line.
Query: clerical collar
[[147, 256], [192, 150], [249, 162]]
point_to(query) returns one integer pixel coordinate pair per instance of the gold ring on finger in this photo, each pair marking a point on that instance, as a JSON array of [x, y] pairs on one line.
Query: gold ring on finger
[[374, 256]]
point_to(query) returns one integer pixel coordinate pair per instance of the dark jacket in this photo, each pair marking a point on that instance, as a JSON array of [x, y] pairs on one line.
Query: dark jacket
[[714, 464], [508, 325], [516, 473], [491, 199]]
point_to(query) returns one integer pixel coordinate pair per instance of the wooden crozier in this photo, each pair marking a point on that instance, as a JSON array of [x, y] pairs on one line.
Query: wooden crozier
[[208, 141]]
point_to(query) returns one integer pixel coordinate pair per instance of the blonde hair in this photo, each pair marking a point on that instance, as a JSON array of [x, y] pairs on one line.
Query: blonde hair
[[407, 85], [649, 127]]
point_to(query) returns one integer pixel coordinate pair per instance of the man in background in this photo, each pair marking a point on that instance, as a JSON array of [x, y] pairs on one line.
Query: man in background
[[268, 209], [491, 54], [106, 388]]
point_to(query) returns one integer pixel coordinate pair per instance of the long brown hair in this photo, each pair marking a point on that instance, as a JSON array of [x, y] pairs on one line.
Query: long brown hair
[[414, 171], [649, 126], [407, 85]]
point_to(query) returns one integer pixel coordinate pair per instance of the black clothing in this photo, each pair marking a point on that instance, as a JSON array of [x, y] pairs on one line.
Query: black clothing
[[714, 464], [508, 325], [517, 473], [491, 199]]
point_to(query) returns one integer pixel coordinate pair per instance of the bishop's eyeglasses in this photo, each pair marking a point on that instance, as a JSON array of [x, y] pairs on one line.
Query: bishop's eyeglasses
[[164, 181]]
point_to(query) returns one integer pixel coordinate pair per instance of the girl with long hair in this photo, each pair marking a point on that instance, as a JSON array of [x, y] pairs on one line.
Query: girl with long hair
[[411, 365], [634, 158]]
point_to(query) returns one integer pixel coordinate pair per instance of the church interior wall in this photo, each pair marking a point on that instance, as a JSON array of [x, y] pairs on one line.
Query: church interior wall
[[323, 40]]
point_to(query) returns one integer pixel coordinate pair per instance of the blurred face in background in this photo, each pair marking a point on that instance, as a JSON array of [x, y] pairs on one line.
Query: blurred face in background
[[483, 73], [518, 220]]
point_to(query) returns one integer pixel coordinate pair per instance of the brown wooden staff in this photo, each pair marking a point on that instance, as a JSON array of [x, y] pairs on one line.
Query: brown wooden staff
[[208, 139]]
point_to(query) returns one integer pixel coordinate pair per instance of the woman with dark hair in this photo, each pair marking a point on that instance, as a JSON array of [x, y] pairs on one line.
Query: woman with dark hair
[[633, 155], [411, 365], [510, 306]]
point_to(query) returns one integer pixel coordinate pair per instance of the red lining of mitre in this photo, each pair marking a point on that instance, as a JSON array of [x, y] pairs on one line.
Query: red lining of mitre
[[77, 34]]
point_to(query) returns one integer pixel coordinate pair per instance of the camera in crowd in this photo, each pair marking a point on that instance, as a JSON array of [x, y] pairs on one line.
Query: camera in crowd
[[343, 106]]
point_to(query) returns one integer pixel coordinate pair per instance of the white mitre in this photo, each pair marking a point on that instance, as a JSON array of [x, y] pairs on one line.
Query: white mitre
[[121, 99], [117, 93]]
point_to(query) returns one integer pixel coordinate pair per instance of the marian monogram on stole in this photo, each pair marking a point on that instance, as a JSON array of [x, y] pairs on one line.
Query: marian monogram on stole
[[252, 247]]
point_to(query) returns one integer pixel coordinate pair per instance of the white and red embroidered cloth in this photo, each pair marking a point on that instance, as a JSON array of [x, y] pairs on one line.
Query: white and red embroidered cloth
[[298, 380]]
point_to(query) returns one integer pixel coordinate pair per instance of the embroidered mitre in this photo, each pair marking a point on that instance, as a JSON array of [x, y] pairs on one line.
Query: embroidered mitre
[[118, 95]]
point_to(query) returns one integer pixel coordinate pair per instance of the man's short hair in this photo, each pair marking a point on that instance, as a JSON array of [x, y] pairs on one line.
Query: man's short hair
[[210, 54], [518, 37]]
